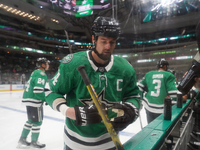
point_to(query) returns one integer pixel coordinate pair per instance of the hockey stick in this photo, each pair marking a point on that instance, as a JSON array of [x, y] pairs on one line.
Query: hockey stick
[[197, 31], [100, 109]]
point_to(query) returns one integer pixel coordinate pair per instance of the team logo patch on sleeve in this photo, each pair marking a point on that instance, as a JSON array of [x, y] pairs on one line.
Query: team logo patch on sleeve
[[67, 59], [42, 73]]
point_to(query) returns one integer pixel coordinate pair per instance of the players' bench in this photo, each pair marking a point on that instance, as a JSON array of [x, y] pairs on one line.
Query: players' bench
[[154, 135]]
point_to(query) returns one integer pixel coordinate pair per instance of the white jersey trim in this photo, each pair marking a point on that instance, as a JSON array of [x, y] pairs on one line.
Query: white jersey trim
[[35, 91], [32, 102], [91, 62], [140, 84], [172, 96], [133, 96], [47, 93], [173, 92], [154, 108], [38, 89], [108, 67], [77, 146], [157, 110]]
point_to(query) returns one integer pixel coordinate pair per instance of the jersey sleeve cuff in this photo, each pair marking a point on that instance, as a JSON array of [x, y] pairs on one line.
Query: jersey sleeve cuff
[[59, 104]]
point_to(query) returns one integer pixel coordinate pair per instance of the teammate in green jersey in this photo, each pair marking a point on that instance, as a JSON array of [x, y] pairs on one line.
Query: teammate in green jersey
[[114, 81], [33, 98], [156, 85]]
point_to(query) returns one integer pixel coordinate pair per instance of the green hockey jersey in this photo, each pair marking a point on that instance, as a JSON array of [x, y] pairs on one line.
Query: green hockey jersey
[[159, 84], [113, 83], [34, 92]]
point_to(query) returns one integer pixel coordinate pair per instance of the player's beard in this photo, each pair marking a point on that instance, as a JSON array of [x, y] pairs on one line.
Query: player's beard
[[102, 56]]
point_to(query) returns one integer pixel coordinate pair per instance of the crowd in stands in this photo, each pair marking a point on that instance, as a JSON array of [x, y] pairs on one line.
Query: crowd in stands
[[12, 68]]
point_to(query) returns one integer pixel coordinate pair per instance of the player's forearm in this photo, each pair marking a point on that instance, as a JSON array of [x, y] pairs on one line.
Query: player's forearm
[[70, 113]]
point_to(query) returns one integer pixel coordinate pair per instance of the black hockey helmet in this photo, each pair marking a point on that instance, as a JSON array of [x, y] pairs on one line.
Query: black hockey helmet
[[41, 61], [106, 26], [161, 63]]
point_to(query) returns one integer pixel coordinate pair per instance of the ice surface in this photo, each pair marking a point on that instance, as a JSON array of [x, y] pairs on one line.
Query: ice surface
[[13, 116]]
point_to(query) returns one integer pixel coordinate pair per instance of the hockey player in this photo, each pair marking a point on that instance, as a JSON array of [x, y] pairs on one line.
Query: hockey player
[[114, 81], [33, 98], [157, 85]]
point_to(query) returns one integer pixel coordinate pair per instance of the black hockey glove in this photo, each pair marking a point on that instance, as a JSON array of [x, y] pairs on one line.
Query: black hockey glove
[[86, 115], [127, 113]]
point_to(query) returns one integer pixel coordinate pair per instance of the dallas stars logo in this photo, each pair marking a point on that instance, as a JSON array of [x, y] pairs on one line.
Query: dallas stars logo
[[101, 97], [67, 59]]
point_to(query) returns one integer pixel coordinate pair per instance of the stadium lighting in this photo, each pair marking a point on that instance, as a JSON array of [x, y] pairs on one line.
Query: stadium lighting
[[164, 3], [22, 13], [145, 60], [39, 51], [14, 10], [183, 57], [77, 43], [5, 7], [156, 7], [173, 38], [124, 56], [71, 41], [142, 61], [19, 12], [28, 49], [9, 9], [162, 39]]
